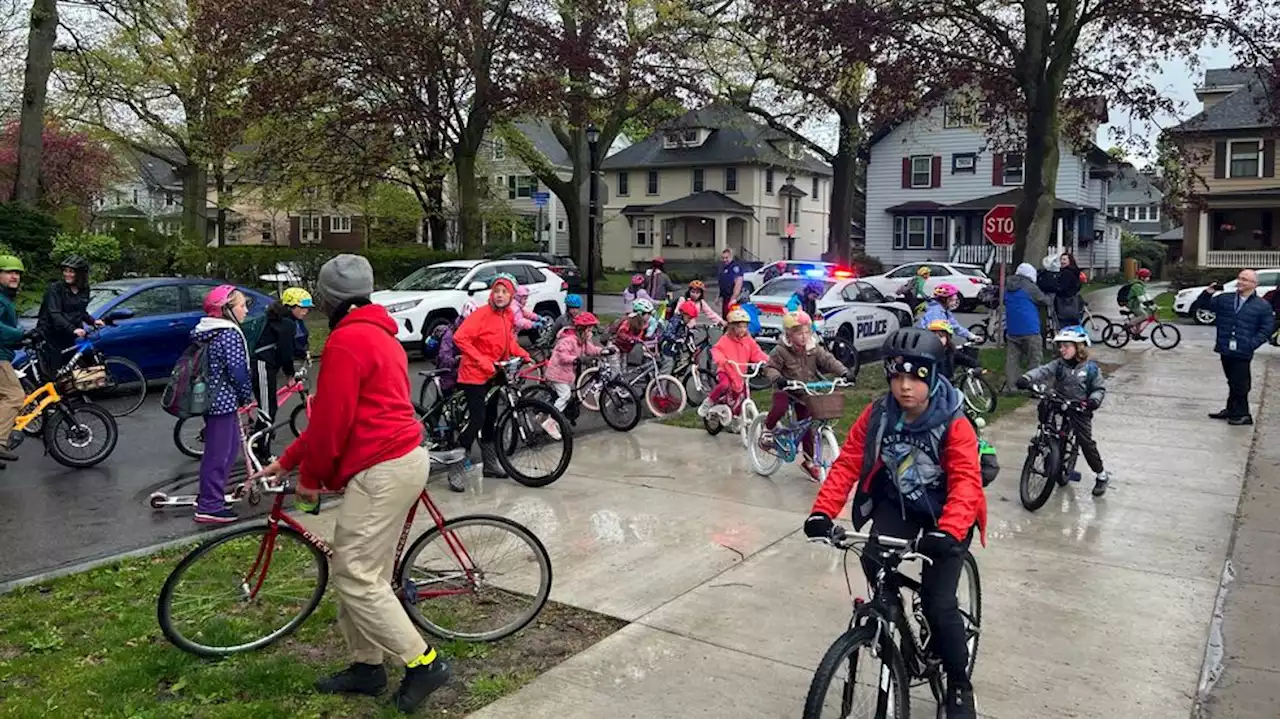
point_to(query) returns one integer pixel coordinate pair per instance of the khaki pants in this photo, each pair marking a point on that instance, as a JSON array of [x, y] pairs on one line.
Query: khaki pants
[[376, 501], [11, 396]]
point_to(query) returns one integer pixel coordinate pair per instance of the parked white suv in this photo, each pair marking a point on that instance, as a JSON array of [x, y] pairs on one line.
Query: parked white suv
[[969, 279], [434, 295], [1268, 279]]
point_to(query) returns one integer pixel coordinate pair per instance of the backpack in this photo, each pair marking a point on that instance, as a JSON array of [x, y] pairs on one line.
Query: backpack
[[1122, 294], [187, 393]]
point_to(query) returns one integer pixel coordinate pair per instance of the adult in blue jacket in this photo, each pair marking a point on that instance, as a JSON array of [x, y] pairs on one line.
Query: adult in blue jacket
[[1243, 321], [1022, 303]]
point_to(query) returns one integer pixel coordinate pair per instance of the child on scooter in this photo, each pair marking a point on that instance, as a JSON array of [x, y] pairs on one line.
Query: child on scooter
[[735, 346], [1077, 378]]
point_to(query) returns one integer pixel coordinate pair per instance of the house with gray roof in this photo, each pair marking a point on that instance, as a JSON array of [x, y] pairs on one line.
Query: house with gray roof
[[1230, 146], [512, 180], [1134, 196], [151, 193], [710, 179]]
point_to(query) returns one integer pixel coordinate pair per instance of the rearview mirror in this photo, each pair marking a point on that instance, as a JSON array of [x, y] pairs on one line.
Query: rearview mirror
[[476, 286], [116, 315]]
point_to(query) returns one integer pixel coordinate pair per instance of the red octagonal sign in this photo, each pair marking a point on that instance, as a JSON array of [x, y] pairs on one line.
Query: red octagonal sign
[[997, 226]]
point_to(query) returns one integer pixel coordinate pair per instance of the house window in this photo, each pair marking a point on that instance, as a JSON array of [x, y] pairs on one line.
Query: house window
[[340, 223], [526, 185], [624, 184], [768, 180], [680, 138], [310, 229], [266, 234], [964, 162], [643, 232], [1245, 158], [959, 114], [899, 233], [168, 199], [917, 233], [1154, 213], [499, 150], [135, 197], [772, 226], [817, 186], [730, 179], [939, 240], [699, 179], [652, 188], [1142, 214], [1013, 168], [922, 171]]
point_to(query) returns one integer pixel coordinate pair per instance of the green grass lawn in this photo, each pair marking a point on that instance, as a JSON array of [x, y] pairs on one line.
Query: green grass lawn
[[613, 282]]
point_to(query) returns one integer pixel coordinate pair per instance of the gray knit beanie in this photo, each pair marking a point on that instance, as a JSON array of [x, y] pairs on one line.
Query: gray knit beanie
[[343, 278]]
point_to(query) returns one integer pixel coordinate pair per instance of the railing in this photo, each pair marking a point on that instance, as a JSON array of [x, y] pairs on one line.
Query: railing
[[1234, 259], [971, 254]]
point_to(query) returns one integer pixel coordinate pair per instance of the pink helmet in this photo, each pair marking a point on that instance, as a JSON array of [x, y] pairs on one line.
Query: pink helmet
[[944, 291], [522, 293], [217, 299], [467, 308], [637, 279]]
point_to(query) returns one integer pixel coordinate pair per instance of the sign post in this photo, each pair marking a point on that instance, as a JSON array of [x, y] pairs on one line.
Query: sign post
[[997, 227]]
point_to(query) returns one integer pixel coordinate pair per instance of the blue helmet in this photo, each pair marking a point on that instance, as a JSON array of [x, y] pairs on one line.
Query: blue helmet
[[573, 301]]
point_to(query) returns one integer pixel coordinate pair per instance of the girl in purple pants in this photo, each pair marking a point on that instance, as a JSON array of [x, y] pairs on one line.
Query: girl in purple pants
[[231, 388]]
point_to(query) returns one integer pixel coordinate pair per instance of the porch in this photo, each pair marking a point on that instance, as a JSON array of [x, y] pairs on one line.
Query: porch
[[1235, 230], [696, 228]]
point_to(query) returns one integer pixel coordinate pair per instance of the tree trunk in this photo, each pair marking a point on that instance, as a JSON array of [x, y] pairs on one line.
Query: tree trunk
[[220, 180], [195, 180], [1034, 219], [40, 40], [843, 184], [469, 220], [437, 223]]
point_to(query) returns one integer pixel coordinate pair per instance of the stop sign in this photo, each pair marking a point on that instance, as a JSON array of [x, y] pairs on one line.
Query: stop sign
[[997, 226]]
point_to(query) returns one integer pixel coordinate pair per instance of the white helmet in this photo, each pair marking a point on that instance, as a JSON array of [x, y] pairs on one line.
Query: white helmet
[[1074, 333], [642, 306], [467, 308]]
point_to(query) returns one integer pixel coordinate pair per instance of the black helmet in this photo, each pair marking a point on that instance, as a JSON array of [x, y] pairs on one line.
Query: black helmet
[[914, 343], [75, 262]]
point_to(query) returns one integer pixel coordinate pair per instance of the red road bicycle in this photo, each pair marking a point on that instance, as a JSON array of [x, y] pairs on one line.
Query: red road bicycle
[[475, 578], [1163, 335]]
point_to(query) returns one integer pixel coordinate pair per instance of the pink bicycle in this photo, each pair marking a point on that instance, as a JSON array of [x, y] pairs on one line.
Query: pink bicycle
[[188, 432], [739, 409]]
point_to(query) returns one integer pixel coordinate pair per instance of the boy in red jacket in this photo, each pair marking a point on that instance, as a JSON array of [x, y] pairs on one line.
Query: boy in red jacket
[[363, 440], [913, 458]]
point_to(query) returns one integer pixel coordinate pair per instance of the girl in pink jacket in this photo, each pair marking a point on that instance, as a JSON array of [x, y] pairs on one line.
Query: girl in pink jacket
[[737, 345], [572, 343]]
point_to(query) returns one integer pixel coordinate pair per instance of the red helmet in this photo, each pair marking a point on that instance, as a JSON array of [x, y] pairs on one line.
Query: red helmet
[[689, 308], [1144, 273], [585, 319], [658, 262], [637, 279]]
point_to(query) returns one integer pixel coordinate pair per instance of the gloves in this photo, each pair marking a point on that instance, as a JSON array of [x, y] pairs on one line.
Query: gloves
[[1023, 383], [780, 382], [1093, 404], [818, 526], [936, 544]]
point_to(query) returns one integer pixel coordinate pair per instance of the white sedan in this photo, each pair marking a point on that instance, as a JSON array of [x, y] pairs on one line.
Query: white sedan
[[850, 309], [969, 279], [1267, 281]]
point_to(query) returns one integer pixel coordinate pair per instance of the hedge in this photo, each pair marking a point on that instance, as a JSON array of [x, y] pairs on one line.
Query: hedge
[[244, 265], [1195, 276]]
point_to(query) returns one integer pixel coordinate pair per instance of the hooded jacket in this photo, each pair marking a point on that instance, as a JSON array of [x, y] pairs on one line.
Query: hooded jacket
[[1078, 381], [487, 336], [62, 312], [1021, 297], [928, 468], [229, 382], [361, 414], [562, 367], [807, 364], [935, 310], [10, 332], [742, 350]]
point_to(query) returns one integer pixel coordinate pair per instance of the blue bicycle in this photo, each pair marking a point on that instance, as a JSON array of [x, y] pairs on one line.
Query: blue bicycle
[[825, 407]]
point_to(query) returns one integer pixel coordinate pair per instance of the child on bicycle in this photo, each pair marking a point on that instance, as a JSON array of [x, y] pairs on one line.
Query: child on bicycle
[[911, 461], [1139, 304], [572, 308], [1076, 377], [526, 319], [562, 368], [797, 358], [635, 291], [284, 339], [735, 346], [637, 328], [230, 388], [946, 299], [697, 296], [953, 357]]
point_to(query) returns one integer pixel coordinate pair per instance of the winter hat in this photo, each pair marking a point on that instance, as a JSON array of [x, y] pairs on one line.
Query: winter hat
[[1026, 270], [343, 278]]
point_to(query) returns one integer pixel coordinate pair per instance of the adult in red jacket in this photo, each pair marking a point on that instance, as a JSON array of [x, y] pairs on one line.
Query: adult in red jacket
[[913, 458], [486, 337], [363, 440]]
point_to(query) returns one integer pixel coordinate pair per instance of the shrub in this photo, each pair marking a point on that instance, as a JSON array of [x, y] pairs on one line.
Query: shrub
[[866, 264], [1149, 253], [28, 234], [1196, 276], [100, 250], [244, 265]]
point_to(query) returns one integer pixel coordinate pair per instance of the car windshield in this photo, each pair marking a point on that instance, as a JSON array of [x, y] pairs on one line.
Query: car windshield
[[970, 271], [100, 295], [787, 286], [431, 278]]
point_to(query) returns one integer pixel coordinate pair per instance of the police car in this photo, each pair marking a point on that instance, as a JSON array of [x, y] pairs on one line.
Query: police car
[[757, 279], [850, 309]]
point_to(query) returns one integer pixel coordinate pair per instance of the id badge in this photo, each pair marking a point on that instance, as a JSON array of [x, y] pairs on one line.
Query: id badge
[[1231, 344]]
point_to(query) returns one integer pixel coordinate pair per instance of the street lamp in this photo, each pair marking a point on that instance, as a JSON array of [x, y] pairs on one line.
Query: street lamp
[[593, 199]]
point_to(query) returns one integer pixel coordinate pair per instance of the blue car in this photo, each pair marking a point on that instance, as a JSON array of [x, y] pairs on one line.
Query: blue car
[[153, 317]]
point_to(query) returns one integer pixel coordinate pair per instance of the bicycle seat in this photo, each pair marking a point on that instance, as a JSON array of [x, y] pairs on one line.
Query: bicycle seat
[[432, 373], [1126, 311]]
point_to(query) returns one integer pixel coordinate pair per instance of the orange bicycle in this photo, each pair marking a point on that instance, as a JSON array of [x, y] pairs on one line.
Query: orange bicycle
[[476, 578]]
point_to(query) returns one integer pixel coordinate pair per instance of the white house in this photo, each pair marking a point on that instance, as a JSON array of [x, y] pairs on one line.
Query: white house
[[932, 178]]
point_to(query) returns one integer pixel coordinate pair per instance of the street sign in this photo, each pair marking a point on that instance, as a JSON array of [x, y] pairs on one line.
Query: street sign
[[540, 199], [997, 226]]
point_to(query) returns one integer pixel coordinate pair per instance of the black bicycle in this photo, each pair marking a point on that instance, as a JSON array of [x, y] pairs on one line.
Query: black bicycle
[[883, 641], [1052, 453]]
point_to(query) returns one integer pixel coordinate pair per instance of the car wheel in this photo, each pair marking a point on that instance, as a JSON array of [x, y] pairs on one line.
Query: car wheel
[[1203, 317]]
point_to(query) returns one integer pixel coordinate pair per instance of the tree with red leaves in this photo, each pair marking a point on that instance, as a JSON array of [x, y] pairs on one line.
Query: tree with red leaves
[[75, 169]]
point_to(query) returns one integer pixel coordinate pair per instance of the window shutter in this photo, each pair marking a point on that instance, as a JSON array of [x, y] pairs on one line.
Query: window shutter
[[1268, 158], [997, 169], [533, 184], [936, 179], [1220, 159], [906, 173], [511, 187]]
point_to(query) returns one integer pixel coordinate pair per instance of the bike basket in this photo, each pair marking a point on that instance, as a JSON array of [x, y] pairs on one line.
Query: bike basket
[[83, 380], [830, 406]]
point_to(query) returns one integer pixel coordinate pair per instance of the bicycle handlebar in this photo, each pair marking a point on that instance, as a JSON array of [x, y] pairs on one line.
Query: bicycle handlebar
[[846, 540], [817, 388], [753, 367]]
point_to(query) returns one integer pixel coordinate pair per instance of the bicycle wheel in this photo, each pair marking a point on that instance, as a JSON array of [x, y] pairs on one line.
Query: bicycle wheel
[[978, 393], [979, 330], [534, 457], [619, 406], [1116, 335], [697, 385], [1274, 339], [225, 598], [1095, 326], [749, 414], [969, 597], [80, 435], [665, 396], [484, 581], [298, 419], [588, 386], [763, 461], [188, 436], [858, 679], [125, 390], [1036, 483], [540, 392], [827, 449], [1165, 336]]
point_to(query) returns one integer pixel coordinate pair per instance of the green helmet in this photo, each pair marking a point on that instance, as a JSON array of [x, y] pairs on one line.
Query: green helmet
[[11, 263]]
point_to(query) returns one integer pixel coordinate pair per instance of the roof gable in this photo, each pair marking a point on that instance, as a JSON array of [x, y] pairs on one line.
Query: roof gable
[[1247, 107]]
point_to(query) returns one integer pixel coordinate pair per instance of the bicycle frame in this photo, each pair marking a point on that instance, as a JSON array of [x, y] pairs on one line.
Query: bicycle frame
[[43, 396]]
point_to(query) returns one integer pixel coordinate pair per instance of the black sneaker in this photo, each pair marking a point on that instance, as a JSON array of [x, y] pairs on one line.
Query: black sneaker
[[419, 682], [960, 703], [8, 455], [1219, 415], [1237, 421], [367, 679], [222, 516]]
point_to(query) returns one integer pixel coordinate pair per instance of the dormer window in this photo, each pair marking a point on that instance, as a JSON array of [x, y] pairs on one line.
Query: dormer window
[[681, 138]]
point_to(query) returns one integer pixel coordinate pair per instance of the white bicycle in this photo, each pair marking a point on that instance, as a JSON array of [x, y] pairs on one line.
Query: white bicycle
[[739, 410]]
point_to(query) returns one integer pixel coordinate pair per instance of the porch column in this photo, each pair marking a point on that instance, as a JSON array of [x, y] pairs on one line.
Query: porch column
[[1202, 246], [722, 233], [1060, 231], [551, 224]]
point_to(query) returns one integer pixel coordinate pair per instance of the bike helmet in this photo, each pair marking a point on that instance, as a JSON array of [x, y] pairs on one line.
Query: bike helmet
[[698, 285], [799, 318], [737, 314], [505, 278], [941, 326], [689, 308], [1144, 273], [522, 293], [923, 271], [815, 288], [11, 263], [75, 262], [573, 301], [914, 351], [296, 297], [944, 291], [642, 306], [1073, 333], [217, 299], [467, 308], [586, 319], [637, 279]]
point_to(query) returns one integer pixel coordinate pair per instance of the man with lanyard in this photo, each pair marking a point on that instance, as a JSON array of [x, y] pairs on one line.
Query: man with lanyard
[[1243, 323], [730, 281]]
